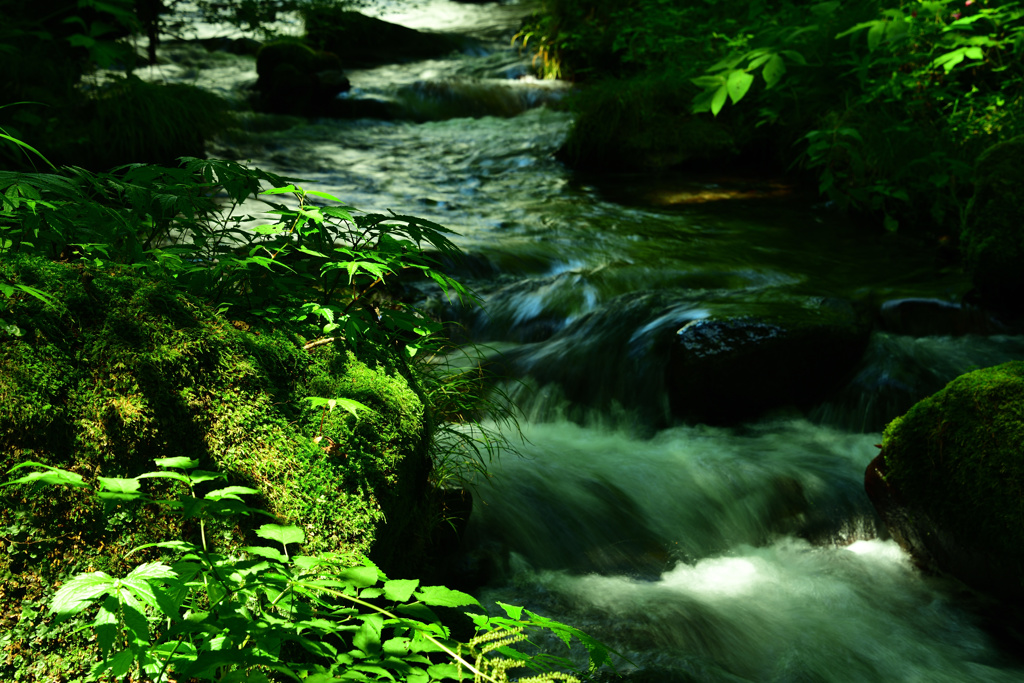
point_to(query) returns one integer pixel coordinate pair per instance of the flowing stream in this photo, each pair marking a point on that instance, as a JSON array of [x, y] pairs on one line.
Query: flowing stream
[[702, 553]]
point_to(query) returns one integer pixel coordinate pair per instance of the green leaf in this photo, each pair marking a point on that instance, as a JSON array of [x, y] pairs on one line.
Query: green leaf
[[287, 189], [738, 84], [121, 663], [269, 553], [367, 638], [282, 534], [231, 493], [444, 597], [718, 100], [180, 463], [118, 485], [80, 592], [400, 590], [153, 571], [51, 476], [773, 71], [360, 577], [512, 610], [875, 35]]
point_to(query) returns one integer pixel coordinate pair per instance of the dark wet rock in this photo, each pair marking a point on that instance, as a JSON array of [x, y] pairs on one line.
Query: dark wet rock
[[949, 478], [726, 368], [235, 46], [295, 79], [930, 317], [362, 41], [992, 241]]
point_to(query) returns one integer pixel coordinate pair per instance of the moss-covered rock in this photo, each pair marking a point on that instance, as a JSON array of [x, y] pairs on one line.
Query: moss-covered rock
[[124, 369], [950, 477], [992, 240]]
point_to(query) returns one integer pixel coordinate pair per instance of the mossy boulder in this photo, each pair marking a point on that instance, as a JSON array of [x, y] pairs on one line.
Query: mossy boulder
[[124, 369], [949, 480], [992, 240]]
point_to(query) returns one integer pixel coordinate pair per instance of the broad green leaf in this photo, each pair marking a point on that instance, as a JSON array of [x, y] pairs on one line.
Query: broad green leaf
[[135, 621], [230, 493], [323, 195], [739, 83], [513, 611], [178, 463], [444, 670], [120, 663], [201, 476], [106, 624], [269, 553], [176, 476], [773, 71], [730, 62], [51, 476], [444, 597], [708, 81], [80, 592], [350, 405], [119, 485], [360, 577], [367, 638], [400, 590], [287, 189], [153, 571], [875, 35], [281, 534], [718, 99]]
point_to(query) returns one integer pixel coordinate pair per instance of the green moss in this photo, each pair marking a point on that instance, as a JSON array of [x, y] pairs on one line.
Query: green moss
[[958, 458], [125, 369]]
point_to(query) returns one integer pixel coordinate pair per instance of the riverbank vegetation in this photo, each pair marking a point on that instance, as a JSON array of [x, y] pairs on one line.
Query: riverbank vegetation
[[884, 105], [147, 318]]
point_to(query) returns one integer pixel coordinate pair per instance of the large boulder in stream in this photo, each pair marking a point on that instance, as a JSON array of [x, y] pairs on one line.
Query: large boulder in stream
[[949, 479], [295, 79], [992, 240], [362, 41], [728, 367]]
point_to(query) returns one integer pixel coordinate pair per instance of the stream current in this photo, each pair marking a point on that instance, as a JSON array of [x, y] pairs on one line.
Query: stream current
[[702, 553]]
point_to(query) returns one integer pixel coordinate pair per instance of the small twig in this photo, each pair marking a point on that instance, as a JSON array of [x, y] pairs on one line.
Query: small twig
[[320, 342]]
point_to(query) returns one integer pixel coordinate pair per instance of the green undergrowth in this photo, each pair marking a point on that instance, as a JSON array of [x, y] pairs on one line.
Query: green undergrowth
[[885, 106], [122, 369]]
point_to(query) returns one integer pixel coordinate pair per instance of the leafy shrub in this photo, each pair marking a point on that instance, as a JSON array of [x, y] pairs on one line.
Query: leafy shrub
[[207, 615]]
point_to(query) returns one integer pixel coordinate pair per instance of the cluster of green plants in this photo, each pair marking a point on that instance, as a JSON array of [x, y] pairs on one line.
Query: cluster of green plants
[[887, 104], [267, 612], [324, 273]]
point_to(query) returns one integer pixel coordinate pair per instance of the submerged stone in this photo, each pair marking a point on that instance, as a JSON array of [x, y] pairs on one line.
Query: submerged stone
[[726, 368]]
